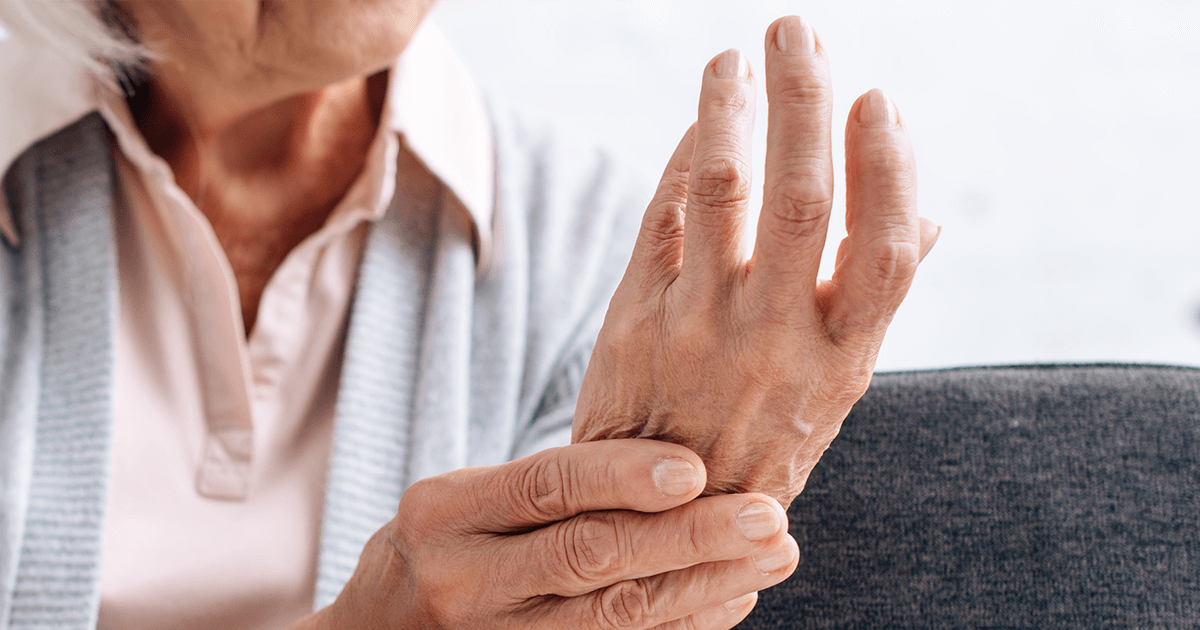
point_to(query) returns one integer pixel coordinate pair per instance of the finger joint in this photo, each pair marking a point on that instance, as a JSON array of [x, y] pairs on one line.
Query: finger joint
[[720, 184], [800, 211], [596, 545], [893, 260], [546, 487], [664, 222], [625, 605], [805, 89]]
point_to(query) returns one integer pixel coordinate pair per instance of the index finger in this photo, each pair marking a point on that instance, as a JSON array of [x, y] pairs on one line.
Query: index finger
[[599, 549], [719, 180], [559, 483]]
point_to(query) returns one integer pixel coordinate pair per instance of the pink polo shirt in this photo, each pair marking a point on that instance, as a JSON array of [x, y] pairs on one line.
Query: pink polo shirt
[[221, 443]]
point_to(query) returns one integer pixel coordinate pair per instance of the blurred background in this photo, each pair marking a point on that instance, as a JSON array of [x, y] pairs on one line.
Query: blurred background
[[1058, 145]]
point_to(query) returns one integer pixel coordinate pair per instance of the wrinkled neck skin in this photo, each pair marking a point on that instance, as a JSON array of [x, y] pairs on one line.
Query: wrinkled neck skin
[[233, 161], [265, 110], [254, 93]]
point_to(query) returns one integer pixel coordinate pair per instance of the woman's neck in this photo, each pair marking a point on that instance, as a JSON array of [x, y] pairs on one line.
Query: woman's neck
[[265, 177]]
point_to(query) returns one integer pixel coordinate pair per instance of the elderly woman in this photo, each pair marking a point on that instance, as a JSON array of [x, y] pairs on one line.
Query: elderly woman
[[295, 274]]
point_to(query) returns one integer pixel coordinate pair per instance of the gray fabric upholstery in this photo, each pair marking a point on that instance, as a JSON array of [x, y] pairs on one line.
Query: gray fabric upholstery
[[1010, 497]]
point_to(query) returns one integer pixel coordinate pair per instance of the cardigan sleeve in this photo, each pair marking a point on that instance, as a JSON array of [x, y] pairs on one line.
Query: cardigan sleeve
[[578, 206]]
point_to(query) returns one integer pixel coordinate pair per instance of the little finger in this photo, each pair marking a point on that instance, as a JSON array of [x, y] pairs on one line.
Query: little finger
[[722, 617], [884, 231], [930, 232]]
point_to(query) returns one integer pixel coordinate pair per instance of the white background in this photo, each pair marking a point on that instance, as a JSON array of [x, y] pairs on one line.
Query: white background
[[1058, 145]]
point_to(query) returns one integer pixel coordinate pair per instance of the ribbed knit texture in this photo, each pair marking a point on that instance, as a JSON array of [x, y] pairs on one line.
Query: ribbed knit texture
[[21, 324], [446, 369], [371, 438], [57, 578]]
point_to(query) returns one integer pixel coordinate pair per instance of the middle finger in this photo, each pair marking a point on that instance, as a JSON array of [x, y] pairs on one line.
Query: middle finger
[[798, 184]]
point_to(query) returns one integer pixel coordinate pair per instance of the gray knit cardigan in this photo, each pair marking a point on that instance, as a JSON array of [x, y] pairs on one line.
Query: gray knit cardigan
[[442, 369]]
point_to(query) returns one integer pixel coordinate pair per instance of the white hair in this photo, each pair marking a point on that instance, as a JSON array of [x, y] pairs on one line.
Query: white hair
[[87, 32]]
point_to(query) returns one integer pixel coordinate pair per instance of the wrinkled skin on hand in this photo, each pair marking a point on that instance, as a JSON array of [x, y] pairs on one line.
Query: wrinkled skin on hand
[[606, 535], [754, 364]]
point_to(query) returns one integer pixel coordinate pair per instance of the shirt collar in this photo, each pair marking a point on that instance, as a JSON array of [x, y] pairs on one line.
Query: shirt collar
[[432, 105]]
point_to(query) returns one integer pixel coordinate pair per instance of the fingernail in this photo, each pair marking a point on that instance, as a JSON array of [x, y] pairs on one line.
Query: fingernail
[[758, 521], [732, 64], [795, 36], [675, 476], [739, 603], [775, 560], [877, 110]]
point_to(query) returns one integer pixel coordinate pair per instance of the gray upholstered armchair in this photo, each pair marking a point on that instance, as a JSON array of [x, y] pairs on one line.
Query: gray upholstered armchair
[[1056, 496]]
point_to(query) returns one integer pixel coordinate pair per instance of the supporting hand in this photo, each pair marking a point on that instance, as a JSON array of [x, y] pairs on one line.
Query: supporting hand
[[603, 535]]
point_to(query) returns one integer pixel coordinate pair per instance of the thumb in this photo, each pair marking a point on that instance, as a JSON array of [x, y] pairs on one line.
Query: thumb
[[559, 483]]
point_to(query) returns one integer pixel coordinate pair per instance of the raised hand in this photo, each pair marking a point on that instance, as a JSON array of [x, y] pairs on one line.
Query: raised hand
[[603, 535], [754, 364]]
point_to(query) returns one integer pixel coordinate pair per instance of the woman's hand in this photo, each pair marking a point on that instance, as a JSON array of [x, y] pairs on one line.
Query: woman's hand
[[602, 535], [753, 364]]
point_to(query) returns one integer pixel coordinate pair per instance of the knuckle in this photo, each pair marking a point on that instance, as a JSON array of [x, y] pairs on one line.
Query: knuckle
[[437, 587], [698, 540], [892, 260], [695, 336], [419, 492], [546, 487], [403, 532], [665, 220], [800, 210], [442, 602], [730, 103], [412, 517], [594, 548], [672, 185], [810, 89], [624, 605], [439, 590], [625, 336], [720, 183]]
